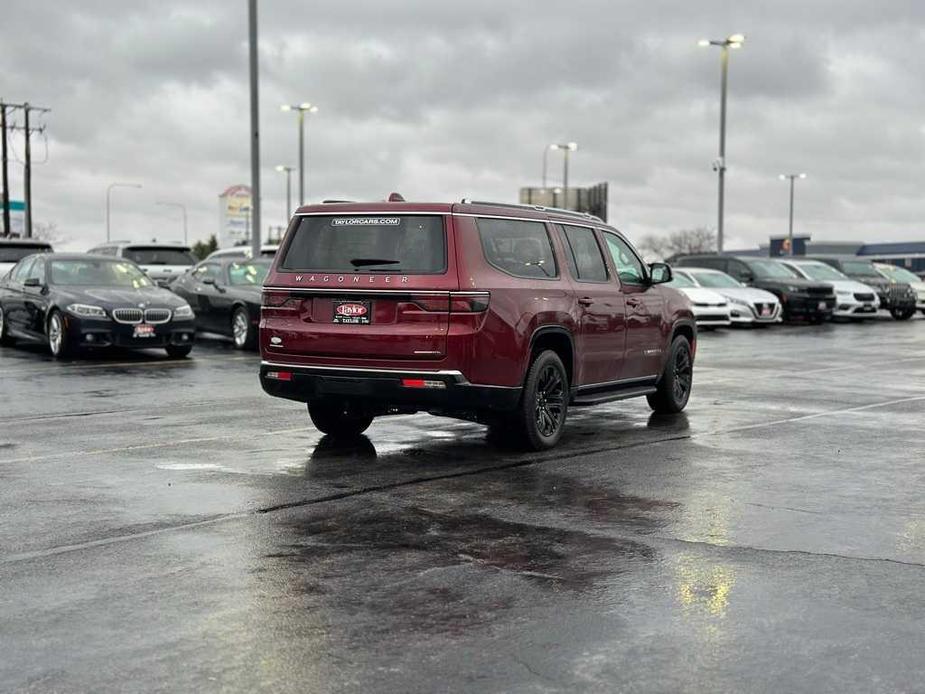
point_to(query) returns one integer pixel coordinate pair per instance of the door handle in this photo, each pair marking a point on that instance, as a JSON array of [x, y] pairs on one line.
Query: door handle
[[586, 301], [632, 301]]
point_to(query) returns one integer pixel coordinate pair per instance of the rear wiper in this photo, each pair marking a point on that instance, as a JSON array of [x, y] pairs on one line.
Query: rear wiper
[[361, 262]]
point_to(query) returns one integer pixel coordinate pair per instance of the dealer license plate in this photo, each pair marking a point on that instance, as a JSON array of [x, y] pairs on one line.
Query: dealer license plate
[[143, 330], [352, 312]]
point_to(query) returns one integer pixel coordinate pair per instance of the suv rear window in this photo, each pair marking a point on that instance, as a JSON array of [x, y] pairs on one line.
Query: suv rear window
[[409, 244], [154, 255], [518, 248], [16, 252]]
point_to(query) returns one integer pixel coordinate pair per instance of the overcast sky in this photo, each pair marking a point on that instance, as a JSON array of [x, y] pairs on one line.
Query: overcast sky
[[441, 100]]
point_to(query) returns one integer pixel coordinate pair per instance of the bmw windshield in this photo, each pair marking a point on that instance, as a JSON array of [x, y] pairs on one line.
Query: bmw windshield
[[95, 272]]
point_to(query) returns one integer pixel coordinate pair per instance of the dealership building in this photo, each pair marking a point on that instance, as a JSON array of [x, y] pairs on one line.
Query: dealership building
[[906, 254]]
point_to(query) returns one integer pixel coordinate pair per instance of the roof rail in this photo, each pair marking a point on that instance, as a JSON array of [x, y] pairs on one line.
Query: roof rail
[[330, 202], [538, 208]]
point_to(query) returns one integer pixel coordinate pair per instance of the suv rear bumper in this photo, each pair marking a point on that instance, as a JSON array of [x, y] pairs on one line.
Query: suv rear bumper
[[382, 388]]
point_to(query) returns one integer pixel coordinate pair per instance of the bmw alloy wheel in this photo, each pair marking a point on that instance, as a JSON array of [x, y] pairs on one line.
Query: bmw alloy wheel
[[239, 328], [55, 334]]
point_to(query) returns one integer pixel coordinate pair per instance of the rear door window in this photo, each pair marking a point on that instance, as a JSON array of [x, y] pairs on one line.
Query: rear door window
[[518, 247], [585, 260], [406, 244]]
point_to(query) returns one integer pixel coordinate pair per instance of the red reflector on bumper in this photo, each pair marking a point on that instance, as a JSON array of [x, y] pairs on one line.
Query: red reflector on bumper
[[280, 375], [421, 383]]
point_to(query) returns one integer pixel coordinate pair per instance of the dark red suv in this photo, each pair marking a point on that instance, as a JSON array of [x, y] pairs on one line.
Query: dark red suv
[[502, 314]]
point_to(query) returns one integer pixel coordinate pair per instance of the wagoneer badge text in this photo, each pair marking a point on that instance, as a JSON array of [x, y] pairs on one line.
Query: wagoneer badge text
[[353, 279]]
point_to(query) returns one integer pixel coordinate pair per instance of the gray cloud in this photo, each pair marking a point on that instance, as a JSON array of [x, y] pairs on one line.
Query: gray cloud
[[441, 101]]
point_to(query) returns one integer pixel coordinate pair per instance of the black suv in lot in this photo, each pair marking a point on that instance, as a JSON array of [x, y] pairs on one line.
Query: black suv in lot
[[801, 299], [895, 297]]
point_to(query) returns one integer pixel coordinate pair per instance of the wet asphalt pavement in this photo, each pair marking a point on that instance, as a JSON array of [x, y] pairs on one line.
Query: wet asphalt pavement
[[165, 526]]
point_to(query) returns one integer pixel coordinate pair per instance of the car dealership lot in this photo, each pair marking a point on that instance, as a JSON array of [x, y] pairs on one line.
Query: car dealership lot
[[166, 525]]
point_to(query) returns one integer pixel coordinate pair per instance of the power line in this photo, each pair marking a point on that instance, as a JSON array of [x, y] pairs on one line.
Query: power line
[[27, 131]]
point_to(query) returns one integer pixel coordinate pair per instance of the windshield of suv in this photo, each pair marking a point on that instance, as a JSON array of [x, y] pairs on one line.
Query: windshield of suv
[[715, 280], [15, 253], [863, 268], [897, 274], [678, 281], [407, 244], [771, 269], [821, 271], [155, 255], [248, 273], [97, 273]]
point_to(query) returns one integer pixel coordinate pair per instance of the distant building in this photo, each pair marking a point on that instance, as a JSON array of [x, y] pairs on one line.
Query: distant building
[[906, 254], [592, 200]]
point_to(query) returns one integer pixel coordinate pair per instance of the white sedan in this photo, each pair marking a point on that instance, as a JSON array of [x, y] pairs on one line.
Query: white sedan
[[852, 298], [747, 305], [711, 310]]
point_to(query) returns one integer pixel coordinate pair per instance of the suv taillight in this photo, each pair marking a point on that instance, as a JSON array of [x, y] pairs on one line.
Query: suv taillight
[[275, 300], [469, 302]]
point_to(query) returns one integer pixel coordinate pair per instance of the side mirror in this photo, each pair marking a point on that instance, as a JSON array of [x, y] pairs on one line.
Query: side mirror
[[32, 282], [209, 280], [659, 273]]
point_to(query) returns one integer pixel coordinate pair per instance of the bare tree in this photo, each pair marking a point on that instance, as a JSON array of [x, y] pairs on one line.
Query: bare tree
[[47, 231], [683, 242]]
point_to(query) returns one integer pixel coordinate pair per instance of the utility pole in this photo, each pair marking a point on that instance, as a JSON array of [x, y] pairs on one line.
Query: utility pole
[[255, 128], [6, 177], [27, 164]]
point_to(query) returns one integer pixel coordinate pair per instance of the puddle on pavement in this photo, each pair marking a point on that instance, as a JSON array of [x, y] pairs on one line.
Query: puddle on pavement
[[434, 570]]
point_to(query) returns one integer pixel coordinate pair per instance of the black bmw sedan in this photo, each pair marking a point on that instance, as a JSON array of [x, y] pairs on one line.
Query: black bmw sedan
[[225, 293], [76, 300]]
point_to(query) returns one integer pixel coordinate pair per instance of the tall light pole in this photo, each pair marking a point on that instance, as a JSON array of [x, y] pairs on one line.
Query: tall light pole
[[302, 109], [546, 152], [567, 148], [255, 124], [183, 208], [288, 171], [792, 177], [732, 41], [109, 201]]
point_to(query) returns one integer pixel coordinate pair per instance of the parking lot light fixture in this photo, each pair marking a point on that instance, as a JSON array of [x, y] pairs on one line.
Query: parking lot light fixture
[[288, 171], [731, 41], [301, 109], [792, 177]]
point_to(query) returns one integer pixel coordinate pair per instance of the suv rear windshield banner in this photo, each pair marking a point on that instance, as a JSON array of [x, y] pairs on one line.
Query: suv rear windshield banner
[[407, 245]]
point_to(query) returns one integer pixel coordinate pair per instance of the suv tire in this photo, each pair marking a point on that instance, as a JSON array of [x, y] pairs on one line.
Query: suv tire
[[540, 417], [242, 329], [338, 418], [902, 313], [674, 387]]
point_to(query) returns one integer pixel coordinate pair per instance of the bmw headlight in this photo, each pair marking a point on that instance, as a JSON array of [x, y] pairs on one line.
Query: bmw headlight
[[184, 311], [87, 311]]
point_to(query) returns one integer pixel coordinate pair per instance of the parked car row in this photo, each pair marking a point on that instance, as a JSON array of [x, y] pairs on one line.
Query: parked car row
[[811, 289], [117, 295]]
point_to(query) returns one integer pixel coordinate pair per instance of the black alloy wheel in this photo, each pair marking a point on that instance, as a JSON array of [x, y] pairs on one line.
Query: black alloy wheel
[[540, 418], [674, 387]]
